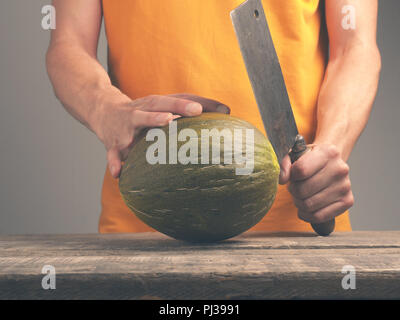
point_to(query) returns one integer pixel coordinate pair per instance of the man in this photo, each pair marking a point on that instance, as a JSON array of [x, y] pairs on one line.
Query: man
[[160, 49]]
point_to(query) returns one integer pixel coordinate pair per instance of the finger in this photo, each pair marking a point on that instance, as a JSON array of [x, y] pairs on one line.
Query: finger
[[145, 119], [114, 162], [208, 105], [327, 213], [181, 106], [324, 198], [284, 174], [330, 174], [309, 164]]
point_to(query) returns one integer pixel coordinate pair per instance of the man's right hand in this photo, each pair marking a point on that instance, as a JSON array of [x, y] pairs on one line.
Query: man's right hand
[[83, 86], [118, 125]]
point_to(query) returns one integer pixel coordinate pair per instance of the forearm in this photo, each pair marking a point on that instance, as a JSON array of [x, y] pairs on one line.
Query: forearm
[[346, 97], [80, 83]]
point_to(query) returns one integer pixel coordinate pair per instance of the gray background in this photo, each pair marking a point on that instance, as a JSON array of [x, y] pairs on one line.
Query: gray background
[[51, 167]]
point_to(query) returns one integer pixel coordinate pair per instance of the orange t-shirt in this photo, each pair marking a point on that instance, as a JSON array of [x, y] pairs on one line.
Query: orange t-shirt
[[189, 46]]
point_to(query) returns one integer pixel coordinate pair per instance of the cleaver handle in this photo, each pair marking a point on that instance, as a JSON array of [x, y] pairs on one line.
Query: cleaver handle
[[300, 147]]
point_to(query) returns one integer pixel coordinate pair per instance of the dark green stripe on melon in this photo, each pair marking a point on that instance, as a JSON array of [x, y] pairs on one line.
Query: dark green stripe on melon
[[201, 202]]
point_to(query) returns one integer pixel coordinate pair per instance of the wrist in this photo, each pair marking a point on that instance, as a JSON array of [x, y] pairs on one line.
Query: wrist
[[105, 99]]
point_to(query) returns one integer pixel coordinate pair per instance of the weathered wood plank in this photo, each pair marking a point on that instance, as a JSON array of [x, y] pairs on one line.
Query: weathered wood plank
[[263, 261], [47, 245], [253, 265], [186, 286]]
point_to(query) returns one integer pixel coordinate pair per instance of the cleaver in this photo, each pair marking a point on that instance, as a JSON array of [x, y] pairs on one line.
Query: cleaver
[[269, 87]]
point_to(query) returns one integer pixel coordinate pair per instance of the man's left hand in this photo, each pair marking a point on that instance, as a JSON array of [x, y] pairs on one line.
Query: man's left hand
[[319, 183]]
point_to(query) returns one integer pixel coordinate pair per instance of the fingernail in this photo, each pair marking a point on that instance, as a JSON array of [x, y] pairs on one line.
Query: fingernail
[[112, 170], [193, 108], [222, 109]]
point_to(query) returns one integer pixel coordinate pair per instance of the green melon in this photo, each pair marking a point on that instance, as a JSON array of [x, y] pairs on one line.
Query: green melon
[[200, 202]]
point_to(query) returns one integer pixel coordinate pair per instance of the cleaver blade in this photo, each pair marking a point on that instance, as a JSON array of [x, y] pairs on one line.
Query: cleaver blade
[[265, 74]]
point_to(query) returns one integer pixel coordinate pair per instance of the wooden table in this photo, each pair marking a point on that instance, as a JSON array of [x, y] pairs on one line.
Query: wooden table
[[153, 266]]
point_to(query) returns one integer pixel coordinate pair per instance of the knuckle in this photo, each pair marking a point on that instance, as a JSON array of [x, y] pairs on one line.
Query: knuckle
[[349, 201], [309, 204], [344, 169], [134, 113], [332, 151], [346, 187], [300, 171], [152, 99], [340, 169], [137, 117]]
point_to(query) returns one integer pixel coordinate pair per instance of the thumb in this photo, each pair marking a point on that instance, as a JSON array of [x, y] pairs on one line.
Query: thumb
[[284, 175], [114, 162]]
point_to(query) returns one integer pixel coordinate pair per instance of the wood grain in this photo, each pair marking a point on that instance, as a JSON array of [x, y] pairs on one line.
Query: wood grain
[[250, 266]]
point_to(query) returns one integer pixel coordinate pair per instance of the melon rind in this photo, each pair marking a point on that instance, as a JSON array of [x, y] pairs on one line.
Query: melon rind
[[201, 202]]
